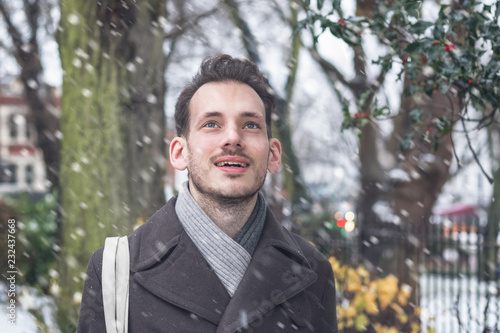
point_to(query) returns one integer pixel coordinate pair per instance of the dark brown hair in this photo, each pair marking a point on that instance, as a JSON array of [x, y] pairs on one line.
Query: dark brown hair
[[224, 68]]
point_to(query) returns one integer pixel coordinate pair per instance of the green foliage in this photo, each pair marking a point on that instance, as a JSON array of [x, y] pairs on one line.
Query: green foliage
[[36, 238], [458, 52]]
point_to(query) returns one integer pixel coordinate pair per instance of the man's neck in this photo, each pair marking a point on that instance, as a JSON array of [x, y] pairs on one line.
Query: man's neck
[[230, 217]]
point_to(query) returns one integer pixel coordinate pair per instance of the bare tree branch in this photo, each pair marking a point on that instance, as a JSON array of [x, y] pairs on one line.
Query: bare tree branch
[[281, 13], [248, 39], [32, 10], [476, 158], [6, 48], [14, 33], [26, 54], [189, 23], [328, 68]]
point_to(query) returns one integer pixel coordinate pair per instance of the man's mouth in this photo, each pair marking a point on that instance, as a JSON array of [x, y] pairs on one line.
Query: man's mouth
[[232, 164]]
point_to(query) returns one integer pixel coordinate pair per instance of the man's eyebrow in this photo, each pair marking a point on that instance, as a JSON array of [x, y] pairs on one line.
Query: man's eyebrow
[[212, 114], [247, 114], [250, 114]]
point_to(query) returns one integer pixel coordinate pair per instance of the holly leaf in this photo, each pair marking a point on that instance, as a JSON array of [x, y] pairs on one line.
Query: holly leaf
[[415, 47], [420, 27]]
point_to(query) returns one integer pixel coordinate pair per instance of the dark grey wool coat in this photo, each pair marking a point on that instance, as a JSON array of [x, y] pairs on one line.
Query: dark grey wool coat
[[288, 286]]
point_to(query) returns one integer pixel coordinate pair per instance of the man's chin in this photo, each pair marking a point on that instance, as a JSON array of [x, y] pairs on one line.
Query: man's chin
[[227, 191], [236, 195]]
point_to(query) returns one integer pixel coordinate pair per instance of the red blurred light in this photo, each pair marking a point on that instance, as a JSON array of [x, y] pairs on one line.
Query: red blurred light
[[341, 223]]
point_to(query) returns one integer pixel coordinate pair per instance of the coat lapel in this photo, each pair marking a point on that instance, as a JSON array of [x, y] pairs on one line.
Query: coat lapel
[[278, 271], [171, 267], [166, 262]]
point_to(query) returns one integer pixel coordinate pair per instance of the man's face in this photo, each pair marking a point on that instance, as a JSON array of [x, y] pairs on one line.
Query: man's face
[[227, 151]]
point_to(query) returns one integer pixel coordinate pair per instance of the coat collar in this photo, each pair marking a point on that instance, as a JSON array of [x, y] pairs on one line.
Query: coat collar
[[163, 259]]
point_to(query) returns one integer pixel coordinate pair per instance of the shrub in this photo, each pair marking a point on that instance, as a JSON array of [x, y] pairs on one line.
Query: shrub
[[36, 231], [371, 304]]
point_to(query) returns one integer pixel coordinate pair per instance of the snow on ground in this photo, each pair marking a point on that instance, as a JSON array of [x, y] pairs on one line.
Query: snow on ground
[[26, 298]]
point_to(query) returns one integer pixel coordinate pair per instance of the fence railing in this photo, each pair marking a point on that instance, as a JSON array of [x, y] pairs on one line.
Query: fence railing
[[458, 270], [459, 277]]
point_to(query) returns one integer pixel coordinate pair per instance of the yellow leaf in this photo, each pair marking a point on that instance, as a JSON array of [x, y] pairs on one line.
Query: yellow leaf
[[371, 307], [379, 328], [350, 311], [403, 318], [402, 299], [386, 290], [352, 275], [415, 328], [353, 286], [388, 285], [399, 310], [361, 322], [363, 272], [335, 264], [340, 274], [384, 300], [358, 302], [417, 311]]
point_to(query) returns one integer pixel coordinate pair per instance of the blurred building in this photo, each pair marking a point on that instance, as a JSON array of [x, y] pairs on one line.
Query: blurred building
[[21, 162]]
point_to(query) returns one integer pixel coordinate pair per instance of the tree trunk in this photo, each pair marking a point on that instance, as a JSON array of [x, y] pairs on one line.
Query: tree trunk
[[410, 199], [113, 153]]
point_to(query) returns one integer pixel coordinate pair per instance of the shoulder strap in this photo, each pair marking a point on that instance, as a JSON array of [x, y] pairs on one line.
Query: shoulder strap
[[115, 284]]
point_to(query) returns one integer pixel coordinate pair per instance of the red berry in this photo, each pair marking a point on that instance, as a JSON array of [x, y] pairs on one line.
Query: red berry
[[470, 81], [342, 22], [449, 46], [436, 42], [357, 115]]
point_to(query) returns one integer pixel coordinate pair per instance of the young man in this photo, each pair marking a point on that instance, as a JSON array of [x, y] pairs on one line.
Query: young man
[[214, 259]]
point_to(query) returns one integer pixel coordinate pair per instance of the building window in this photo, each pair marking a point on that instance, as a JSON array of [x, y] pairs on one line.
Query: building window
[[8, 173], [28, 131], [29, 174], [13, 126]]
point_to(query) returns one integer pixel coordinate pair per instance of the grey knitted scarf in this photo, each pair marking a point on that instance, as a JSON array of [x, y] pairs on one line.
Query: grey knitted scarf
[[228, 257]]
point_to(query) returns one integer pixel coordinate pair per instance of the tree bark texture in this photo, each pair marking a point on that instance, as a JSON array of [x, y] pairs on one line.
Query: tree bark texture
[[113, 125]]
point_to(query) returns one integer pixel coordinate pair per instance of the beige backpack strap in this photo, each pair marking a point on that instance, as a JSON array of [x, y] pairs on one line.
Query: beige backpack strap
[[115, 284]]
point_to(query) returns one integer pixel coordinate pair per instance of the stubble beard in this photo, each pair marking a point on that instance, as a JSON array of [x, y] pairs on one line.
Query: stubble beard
[[216, 195]]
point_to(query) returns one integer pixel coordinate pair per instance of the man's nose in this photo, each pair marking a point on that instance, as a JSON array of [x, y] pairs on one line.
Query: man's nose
[[233, 137]]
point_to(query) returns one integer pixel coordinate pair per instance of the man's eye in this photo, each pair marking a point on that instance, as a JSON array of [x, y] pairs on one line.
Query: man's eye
[[251, 126], [210, 124]]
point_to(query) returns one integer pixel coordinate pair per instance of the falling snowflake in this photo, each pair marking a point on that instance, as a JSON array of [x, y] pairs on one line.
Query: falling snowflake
[[73, 19]]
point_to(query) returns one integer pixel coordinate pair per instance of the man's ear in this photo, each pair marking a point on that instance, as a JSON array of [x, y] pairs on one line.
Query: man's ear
[[274, 156], [177, 153]]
